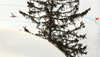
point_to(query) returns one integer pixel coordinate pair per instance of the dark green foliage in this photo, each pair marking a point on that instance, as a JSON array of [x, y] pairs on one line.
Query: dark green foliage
[[65, 13], [25, 29]]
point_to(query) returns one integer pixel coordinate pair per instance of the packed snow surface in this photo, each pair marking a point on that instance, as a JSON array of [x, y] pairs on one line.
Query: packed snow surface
[[23, 43]]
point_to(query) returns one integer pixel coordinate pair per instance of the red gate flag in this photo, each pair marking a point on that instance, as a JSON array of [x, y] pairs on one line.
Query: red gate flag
[[96, 18]]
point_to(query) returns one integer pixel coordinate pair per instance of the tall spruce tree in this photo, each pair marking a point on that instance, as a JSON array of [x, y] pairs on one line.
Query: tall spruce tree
[[53, 18]]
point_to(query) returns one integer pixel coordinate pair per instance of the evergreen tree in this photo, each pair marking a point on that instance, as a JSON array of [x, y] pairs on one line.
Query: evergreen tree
[[53, 18]]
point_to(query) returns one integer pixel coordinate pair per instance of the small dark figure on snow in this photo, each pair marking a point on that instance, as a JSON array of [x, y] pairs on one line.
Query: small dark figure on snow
[[13, 15]]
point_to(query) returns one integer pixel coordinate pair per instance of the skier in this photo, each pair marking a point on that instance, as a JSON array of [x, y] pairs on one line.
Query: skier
[[13, 15]]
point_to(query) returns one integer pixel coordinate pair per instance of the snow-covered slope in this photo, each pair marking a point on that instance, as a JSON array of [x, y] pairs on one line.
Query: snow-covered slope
[[23, 43], [92, 27]]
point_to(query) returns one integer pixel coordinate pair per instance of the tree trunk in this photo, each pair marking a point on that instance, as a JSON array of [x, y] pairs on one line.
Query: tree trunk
[[50, 23]]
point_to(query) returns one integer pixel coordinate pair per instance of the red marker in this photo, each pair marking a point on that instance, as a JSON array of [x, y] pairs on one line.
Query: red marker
[[53, 20], [96, 18]]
